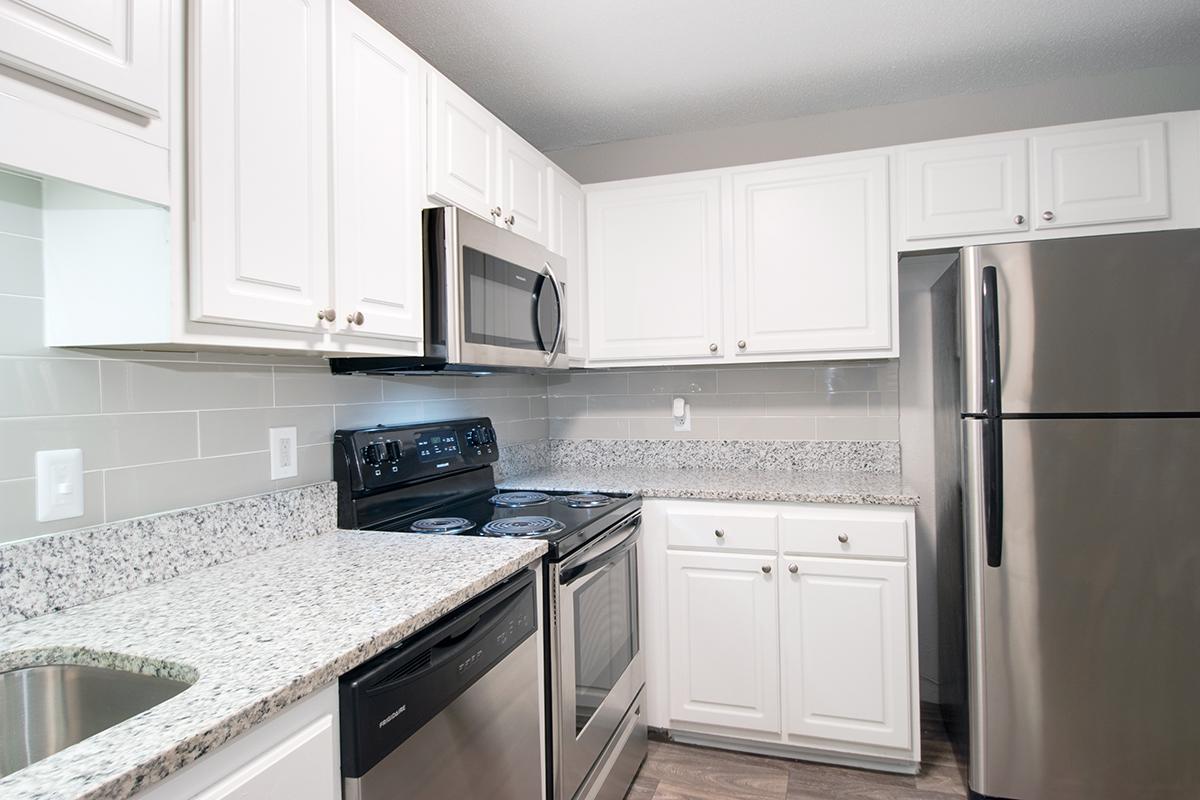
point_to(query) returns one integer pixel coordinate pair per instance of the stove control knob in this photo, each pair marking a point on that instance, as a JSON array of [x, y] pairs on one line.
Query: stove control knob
[[474, 437], [394, 452], [375, 454]]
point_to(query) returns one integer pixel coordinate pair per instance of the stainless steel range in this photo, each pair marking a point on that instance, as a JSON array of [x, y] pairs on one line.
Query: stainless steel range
[[436, 479]]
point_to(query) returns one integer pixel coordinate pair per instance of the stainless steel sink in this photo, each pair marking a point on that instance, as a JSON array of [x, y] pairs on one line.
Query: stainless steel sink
[[48, 708]]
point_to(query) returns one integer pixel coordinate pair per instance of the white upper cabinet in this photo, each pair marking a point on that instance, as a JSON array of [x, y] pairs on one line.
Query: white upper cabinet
[[812, 262], [966, 188], [464, 144], [525, 188], [654, 270], [378, 179], [724, 640], [112, 50], [259, 162], [846, 632], [1101, 175], [567, 221]]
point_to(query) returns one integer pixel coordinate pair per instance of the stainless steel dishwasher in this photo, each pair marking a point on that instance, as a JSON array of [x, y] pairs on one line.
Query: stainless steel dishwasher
[[453, 711]]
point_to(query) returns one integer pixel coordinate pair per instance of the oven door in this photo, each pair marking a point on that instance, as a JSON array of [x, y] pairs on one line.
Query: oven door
[[597, 662], [511, 305]]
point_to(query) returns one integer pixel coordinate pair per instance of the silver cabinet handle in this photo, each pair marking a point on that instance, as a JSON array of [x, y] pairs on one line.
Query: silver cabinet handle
[[741, 344], [496, 212], [1048, 215], [329, 315], [720, 534], [793, 568], [1019, 219], [766, 568], [356, 318], [511, 220], [712, 348], [843, 538]]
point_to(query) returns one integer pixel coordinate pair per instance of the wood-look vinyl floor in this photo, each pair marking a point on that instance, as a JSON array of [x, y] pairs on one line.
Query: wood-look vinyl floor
[[684, 772]]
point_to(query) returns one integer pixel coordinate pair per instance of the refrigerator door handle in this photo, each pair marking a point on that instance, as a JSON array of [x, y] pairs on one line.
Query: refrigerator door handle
[[991, 342], [993, 490]]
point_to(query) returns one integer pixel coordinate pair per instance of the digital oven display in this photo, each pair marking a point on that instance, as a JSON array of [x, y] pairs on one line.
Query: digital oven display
[[433, 445]]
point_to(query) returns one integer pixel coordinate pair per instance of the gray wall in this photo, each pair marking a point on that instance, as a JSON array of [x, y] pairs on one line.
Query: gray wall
[[835, 400], [161, 431], [1145, 91]]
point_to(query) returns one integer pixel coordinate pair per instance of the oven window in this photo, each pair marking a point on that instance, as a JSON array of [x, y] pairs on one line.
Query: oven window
[[503, 304], [606, 634]]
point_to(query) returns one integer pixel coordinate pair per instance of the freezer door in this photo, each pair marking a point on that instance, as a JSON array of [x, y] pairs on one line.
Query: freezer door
[[1092, 325], [1084, 643]]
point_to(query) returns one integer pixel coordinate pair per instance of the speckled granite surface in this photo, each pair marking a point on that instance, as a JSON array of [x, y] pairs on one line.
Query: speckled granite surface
[[260, 633], [822, 455], [720, 484], [39, 576], [517, 459]]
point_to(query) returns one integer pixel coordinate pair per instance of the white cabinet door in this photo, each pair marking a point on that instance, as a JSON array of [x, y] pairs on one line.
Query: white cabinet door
[[566, 238], [966, 188], [298, 768], [844, 626], [378, 179], [812, 260], [524, 201], [724, 640], [1097, 175], [654, 271], [463, 148], [113, 50], [259, 162]]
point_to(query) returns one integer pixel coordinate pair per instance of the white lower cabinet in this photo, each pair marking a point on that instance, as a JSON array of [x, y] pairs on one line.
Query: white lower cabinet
[[724, 640], [801, 643], [293, 755]]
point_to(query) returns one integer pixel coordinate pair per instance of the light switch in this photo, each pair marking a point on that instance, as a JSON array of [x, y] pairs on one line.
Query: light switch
[[59, 484], [283, 453]]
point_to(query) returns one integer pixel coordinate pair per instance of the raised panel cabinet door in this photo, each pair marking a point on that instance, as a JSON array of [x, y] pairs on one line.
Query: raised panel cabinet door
[[524, 182], [723, 625], [112, 50], [966, 188], [654, 271], [566, 238], [463, 149], [844, 627], [259, 162], [378, 179], [1098, 175], [299, 768], [812, 260]]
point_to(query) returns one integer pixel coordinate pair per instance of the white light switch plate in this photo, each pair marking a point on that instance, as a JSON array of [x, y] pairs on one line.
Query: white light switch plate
[[59, 484], [283, 453]]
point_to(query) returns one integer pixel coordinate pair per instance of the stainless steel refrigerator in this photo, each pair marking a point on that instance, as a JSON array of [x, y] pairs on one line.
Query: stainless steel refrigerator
[[1081, 529]]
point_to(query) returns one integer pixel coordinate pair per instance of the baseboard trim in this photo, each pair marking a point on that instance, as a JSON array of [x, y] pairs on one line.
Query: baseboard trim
[[900, 767]]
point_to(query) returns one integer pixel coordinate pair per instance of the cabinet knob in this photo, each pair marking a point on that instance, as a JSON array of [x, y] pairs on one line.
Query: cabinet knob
[[741, 344], [1019, 219], [766, 568], [793, 568], [327, 315], [843, 538], [712, 348], [720, 534], [1048, 215], [496, 212], [511, 220], [355, 319]]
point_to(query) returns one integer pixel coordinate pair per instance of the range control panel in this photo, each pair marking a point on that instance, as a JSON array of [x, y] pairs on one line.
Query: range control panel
[[375, 458]]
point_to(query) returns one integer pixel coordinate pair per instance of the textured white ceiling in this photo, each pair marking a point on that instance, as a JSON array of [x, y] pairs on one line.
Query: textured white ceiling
[[571, 72]]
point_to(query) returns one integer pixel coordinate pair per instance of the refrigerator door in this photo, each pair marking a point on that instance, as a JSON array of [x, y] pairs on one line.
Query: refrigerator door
[[1087, 326], [1084, 643]]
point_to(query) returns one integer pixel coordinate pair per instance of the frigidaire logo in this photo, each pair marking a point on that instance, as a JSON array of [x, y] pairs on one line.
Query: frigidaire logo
[[393, 715], [474, 657]]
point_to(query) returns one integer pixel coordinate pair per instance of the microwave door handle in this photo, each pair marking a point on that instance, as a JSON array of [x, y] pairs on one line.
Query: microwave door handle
[[562, 314]]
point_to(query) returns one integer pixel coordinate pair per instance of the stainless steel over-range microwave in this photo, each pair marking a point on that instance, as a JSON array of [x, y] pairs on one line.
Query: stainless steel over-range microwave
[[494, 301]]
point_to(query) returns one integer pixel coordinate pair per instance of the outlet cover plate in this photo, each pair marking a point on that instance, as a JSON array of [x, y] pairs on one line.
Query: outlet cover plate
[[284, 458], [59, 484]]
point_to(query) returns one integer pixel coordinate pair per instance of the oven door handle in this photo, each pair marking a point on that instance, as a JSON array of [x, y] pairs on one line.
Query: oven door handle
[[587, 565]]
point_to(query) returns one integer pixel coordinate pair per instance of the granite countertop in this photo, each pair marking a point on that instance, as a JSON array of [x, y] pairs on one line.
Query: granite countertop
[[256, 635], [855, 488]]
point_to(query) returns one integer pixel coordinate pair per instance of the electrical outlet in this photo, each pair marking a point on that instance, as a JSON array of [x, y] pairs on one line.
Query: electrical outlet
[[59, 484], [283, 453]]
